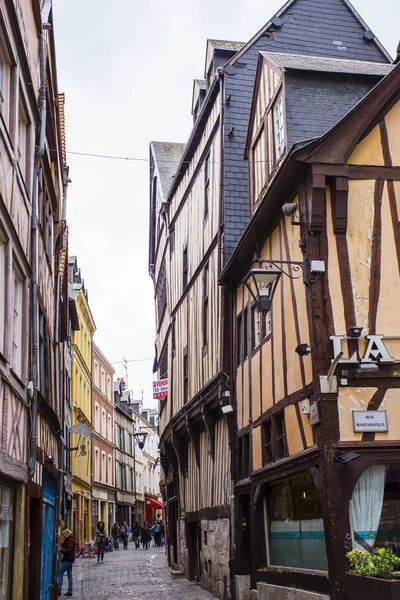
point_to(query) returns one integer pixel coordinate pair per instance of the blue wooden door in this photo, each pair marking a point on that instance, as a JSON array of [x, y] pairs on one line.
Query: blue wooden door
[[48, 536]]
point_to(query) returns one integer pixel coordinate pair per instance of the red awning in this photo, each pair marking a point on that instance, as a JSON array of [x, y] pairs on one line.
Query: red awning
[[154, 503]]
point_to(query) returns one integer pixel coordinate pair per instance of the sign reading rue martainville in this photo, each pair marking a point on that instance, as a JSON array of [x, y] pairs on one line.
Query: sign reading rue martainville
[[160, 388], [370, 420]]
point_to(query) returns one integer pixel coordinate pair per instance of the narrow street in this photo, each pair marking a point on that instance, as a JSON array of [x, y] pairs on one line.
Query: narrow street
[[131, 574]]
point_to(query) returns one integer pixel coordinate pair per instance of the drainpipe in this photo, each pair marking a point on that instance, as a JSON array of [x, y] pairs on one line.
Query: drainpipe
[[34, 267]]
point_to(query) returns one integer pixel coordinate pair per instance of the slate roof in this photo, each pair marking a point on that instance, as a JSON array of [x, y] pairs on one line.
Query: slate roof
[[167, 157], [327, 65]]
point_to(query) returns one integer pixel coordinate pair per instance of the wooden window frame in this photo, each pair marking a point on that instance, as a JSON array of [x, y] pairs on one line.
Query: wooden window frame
[[280, 436], [267, 443], [278, 100], [185, 376], [206, 187], [185, 263], [206, 307]]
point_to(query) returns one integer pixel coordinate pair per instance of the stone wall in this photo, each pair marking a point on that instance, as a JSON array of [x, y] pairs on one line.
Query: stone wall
[[215, 556], [267, 591], [183, 557]]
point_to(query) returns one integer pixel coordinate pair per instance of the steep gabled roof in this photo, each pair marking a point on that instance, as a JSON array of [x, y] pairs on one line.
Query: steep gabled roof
[[167, 157], [335, 24]]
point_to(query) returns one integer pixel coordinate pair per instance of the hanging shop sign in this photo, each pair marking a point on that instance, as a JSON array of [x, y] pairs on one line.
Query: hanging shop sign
[[160, 388], [370, 420]]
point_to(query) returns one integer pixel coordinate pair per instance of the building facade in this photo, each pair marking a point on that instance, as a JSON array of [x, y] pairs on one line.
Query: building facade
[[124, 456], [200, 216], [103, 447], [81, 401]]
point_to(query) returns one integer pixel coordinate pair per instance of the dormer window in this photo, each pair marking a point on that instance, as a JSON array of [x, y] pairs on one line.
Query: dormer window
[[279, 128]]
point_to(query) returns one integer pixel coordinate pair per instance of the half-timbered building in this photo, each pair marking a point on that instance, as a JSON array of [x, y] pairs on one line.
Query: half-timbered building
[[315, 290], [199, 209]]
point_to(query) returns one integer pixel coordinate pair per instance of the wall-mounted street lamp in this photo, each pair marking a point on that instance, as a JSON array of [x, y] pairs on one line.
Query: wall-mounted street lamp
[[262, 282], [140, 438], [290, 209]]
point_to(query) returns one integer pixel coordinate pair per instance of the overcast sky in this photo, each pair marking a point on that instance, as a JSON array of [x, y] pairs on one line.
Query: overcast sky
[[127, 68]]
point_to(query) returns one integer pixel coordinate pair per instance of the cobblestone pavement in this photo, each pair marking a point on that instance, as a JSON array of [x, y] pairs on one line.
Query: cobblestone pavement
[[131, 574]]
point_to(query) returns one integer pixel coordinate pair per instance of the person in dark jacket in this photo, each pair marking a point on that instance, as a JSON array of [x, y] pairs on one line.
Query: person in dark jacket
[[68, 558], [100, 540], [125, 532], [145, 537], [136, 534], [115, 535]]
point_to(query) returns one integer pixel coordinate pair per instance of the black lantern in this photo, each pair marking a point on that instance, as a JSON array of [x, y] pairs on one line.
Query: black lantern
[[261, 284], [140, 437]]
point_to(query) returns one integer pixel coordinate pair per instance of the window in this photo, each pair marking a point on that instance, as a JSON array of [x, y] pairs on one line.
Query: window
[[97, 464], [16, 359], [268, 456], [255, 326], [171, 241], [7, 520], [3, 255], [109, 428], [161, 292], [185, 377], [121, 440], [259, 166], [185, 267], [206, 186], [23, 146], [103, 467], [173, 336], [132, 481], [122, 476], [267, 324], [206, 285], [280, 432], [279, 130], [109, 471], [5, 85], [43, 357], [296, 535], [103, 423], [103, 381], [109, 387], [97, 417], [96, 373], [239, 337], [244, 456], [48, 230], [130, 444], [245, 334]]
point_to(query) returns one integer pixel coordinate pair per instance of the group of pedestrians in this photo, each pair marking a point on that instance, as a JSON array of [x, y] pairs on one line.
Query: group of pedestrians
[[141, 534]]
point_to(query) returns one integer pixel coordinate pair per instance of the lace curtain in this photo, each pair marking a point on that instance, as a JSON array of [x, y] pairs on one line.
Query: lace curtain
[[366, 507]]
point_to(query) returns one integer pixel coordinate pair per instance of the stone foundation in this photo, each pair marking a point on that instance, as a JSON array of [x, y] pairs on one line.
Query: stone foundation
[[268, 591], [243, 587], [214, 557]]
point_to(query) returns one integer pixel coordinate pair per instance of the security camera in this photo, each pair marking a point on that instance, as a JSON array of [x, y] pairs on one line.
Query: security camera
[[290, 208]]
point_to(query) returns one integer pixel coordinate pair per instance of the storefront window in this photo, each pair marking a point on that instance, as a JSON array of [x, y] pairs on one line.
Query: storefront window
[[375, 509], [296, 536], [6, 540], [95, 517]]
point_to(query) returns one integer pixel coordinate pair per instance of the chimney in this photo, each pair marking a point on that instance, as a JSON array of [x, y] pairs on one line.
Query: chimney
[[123, 384], [397, 59]]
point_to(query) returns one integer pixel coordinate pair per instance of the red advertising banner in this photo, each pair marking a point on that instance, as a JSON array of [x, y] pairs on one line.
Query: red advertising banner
[[160, 388]]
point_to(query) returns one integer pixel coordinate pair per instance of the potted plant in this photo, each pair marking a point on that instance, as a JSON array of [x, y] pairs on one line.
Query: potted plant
[[373, 576]]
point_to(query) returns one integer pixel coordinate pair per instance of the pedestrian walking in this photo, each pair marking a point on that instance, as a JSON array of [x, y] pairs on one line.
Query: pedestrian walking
[[68, 558], [136, 534], [157, 534], [115, 535], [125, 532], [145, 537], [100, 540], [162, 534]]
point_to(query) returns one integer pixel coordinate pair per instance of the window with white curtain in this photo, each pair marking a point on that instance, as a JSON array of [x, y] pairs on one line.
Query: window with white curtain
[[16, 359], [374, 509], [294, 524], [6, 539]]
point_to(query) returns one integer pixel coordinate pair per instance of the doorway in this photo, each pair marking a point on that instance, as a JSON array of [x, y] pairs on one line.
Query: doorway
[[193, 536]]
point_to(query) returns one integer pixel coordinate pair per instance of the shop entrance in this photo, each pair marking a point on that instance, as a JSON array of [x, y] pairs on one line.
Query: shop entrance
[[48, 533]]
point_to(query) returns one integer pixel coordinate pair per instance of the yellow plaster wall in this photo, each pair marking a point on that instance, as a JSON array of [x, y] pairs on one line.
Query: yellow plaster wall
[[391, 403], [293, 435], [255, 386], [335, 288], [267, 398], [369, 150], [359, 241], [308, 430], [352, 399], [392, 120], [257, 448], [388, 321]]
